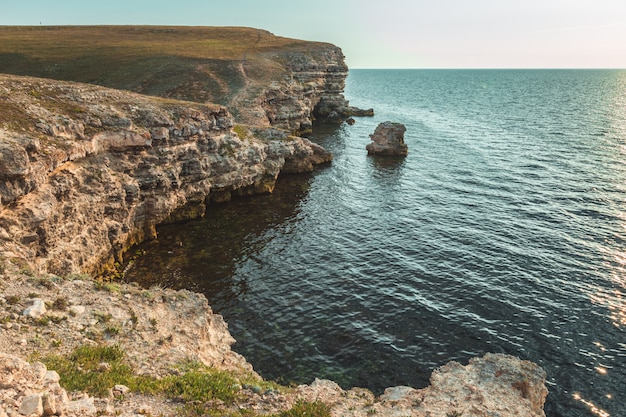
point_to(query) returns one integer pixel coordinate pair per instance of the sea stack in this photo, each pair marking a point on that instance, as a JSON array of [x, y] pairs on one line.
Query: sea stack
[[388, 139]]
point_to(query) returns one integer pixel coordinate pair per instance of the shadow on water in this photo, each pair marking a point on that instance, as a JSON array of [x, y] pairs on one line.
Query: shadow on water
[[201, 255], [386, 169]]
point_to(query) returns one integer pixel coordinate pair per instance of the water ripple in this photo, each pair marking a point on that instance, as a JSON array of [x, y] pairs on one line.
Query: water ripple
[[503, 230]]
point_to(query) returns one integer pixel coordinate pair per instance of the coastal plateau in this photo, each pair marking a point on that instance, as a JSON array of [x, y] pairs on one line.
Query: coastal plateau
[[261, 78], [87, 171]]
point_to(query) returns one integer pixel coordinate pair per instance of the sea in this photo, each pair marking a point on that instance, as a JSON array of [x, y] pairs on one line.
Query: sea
[[503, 230]]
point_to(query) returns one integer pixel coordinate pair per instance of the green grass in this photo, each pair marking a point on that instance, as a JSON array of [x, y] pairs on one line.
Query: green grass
[[196, 385], [198, 64], [307, 409]]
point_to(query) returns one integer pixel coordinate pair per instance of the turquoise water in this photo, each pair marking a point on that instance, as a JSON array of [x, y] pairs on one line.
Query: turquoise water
[[504, 230]]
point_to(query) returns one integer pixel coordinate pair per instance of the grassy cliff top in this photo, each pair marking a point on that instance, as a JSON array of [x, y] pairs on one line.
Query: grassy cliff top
[[131, 42], [203, 64]]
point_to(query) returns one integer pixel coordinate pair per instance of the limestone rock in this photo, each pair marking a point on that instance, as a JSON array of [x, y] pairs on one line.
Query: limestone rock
[[388, 139], [83, 407], [76, 203], [77, 310], [49, 405], [494, 385], [120, 390], [36, 310], [32, 405], [312, 89]]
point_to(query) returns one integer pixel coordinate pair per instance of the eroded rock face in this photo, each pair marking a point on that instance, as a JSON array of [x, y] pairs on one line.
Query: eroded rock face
[[494, 385], [313, 89], [90, 171], [388, 139], [263, 79]]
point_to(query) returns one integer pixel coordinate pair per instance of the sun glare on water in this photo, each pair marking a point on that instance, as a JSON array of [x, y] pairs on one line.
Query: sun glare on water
[[592, 407]]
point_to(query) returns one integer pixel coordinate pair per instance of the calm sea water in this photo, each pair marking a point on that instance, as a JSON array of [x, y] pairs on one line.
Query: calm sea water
[[504, 230]]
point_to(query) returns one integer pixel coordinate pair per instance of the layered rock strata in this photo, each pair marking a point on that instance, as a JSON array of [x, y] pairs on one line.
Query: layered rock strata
[[313, 89], [86, 172], [388, 139], [263, 79]]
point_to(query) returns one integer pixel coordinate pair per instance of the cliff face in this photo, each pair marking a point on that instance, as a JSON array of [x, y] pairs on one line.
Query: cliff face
[[313, 90], [85, 172], [261, 78]]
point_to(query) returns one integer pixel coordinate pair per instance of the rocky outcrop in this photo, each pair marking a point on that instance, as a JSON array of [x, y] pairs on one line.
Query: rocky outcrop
[[313, 90], [86, 172], [159, 329], [494, 385], [388, 139]]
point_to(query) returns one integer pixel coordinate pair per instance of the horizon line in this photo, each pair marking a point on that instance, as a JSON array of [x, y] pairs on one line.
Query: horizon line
[[488, 68]]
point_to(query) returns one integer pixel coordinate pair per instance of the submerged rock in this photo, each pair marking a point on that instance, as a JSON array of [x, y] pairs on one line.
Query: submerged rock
[[388, 139]]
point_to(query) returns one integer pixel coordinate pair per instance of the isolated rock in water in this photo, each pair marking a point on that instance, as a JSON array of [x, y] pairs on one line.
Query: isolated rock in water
[[388, 139]]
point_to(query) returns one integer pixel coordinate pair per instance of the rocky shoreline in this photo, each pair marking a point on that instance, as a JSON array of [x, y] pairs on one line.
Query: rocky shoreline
[[87, 171], [161, 328]]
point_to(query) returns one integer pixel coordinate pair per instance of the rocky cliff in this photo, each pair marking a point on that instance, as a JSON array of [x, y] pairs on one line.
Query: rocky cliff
[[85, 172], [261, 78], [159, 329]]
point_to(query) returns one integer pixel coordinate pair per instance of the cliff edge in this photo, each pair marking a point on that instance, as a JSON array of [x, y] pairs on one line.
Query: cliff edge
[[160, 329], [261, 78], [86, 172]]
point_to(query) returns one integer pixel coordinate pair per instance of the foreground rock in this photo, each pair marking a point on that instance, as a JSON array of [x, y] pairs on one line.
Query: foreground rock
[[160, 328], [86, 172], [388, 139], [494, 385]]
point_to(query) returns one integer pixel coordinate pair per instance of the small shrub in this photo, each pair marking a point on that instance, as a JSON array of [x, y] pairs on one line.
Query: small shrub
[[44, 282], [108, 286], [307, 409], [77, 277], [112, 330], [241, 131], [60, 304], [42, 321], [133, 318], [12, 299], [102, 317]]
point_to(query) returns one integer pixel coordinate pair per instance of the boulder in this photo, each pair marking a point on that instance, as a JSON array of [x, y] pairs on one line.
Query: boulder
[[32, 404], [36, 310], [388, 139]]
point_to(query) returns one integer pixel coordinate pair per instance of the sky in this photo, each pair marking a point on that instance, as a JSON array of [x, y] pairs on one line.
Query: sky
[[384, 33]]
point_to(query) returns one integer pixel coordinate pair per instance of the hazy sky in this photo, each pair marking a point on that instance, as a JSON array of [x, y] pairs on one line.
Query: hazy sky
[[385, 33]]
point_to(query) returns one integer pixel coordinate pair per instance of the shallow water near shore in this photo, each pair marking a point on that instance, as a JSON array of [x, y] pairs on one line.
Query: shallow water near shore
[[504, 230]]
